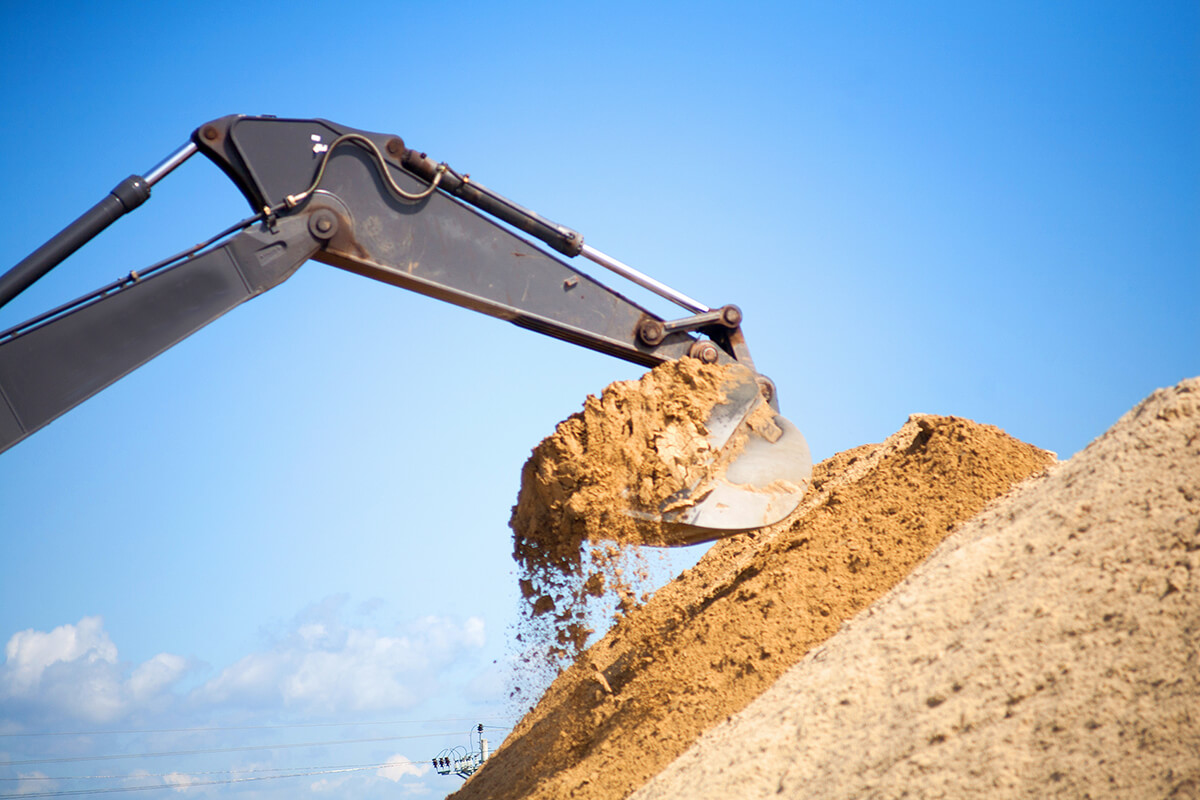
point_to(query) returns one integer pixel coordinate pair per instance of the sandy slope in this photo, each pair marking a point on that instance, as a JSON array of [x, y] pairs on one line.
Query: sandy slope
[[710, 642], [1049, 648]]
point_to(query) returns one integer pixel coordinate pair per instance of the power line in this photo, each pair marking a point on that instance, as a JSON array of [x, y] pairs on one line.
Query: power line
[[252, 727], [186, 784], [206, 751], [232, 771]]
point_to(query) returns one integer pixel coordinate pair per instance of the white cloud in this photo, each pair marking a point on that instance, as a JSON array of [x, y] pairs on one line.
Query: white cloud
[[398, 766], [155, 675], [251, 681], [179, 781], [73, 672], [327, 667], [30, 652], [318, 665], [328, 784], [474, 633]]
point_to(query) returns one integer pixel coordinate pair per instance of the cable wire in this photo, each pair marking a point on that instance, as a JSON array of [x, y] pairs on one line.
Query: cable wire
[[231, 771], [189, 784], [207, 751], [208, 728]]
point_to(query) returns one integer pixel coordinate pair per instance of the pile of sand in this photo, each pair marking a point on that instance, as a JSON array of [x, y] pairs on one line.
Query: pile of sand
[[1049, 648], [630, 449], [712, 641]]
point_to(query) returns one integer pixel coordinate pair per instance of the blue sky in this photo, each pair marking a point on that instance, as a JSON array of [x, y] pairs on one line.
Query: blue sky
[[299, 515]]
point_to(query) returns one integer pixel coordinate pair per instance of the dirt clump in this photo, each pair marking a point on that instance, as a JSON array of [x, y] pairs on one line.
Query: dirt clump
[[1048, 648], [633, 447], [713, 640]]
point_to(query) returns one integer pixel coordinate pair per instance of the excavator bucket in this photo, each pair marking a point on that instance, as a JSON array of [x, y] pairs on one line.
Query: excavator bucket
[[759, 467]]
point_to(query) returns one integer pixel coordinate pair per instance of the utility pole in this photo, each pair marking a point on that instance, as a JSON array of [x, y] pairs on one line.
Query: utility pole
[[461, 762]]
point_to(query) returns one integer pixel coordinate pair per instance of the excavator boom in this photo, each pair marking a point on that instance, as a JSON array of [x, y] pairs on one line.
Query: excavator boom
[[360, 201]]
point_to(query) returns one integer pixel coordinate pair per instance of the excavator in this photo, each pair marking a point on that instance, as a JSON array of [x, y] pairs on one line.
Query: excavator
[[367, 203]]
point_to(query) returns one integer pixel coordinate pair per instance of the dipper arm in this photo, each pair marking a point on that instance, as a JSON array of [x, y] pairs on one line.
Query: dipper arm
[[395, 215]]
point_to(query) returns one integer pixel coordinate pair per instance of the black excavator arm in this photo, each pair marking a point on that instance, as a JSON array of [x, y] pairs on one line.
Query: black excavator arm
[[360, 201], [366, 203]]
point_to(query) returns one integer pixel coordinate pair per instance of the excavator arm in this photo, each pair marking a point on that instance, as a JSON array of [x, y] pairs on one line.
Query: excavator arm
[[360, 201]]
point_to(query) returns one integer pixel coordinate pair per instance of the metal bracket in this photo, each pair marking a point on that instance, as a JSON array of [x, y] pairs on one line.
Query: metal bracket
[[653, 331]]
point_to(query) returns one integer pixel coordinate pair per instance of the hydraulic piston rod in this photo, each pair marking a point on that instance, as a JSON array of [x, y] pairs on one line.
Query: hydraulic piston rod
[[125, 197], [643, 280]]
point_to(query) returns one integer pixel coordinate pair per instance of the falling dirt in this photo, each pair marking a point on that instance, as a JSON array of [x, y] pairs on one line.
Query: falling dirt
[[1049, 648], [713, 640], [633, 447]]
